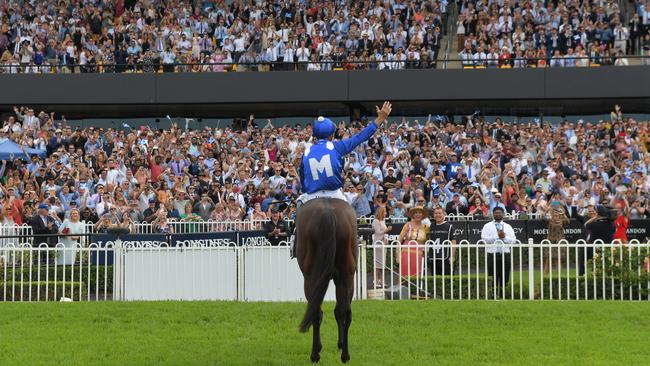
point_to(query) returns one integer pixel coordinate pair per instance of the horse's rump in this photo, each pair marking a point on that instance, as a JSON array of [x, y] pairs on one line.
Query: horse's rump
[[325, 246]]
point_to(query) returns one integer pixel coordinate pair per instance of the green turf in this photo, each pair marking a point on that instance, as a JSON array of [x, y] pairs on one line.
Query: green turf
[[382, 333]]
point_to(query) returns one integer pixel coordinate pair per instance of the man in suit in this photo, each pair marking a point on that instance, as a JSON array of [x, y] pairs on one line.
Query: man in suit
[[456, 206], [204, 207], [43, 223], [571, 210]]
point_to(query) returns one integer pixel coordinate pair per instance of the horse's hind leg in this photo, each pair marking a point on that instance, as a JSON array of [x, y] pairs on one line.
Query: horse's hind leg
[[343, 313], [316, 343]]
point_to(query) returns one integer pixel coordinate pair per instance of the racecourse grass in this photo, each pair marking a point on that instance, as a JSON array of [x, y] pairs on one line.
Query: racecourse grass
[[382, 333]]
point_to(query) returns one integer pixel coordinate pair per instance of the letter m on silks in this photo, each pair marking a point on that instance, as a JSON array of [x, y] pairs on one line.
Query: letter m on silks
[[320, 166]]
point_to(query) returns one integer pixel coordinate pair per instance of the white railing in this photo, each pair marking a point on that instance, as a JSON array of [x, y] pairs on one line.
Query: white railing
[[146, 271], [14, 230], [43, 273], [564, 271]]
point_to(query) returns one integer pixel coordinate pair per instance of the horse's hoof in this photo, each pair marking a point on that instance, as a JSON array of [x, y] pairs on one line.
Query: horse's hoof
[[315, 358], [345, 358]]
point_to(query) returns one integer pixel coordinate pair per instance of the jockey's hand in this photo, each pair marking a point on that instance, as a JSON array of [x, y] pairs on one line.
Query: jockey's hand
[[383, 113]]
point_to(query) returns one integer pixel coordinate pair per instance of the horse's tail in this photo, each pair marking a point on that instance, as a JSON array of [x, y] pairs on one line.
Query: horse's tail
[[323, 268]]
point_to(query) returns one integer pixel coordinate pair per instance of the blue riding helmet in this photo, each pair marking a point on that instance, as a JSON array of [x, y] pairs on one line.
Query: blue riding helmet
[[323, 128]]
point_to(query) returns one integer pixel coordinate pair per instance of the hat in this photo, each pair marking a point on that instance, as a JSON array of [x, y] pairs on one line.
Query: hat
[[151, 200], [538, 187], [43, 206], [323, 128], [275, 210], [416, 209]]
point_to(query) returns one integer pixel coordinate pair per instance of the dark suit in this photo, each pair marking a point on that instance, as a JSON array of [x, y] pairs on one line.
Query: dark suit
[[571, 212], [451, 209], [40, 228]]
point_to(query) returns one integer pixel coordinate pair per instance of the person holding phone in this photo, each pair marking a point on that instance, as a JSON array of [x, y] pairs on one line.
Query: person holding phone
[[497, 234]]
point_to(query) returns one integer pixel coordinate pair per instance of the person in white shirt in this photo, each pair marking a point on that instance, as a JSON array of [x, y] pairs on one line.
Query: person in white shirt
[[288, 57], [314, 65], [115, 175], [480, 57], [621, 60], [277, 182], [303, 54], [497, 234]]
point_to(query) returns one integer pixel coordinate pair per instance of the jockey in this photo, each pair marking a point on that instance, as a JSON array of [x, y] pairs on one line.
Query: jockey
[[322, 163]]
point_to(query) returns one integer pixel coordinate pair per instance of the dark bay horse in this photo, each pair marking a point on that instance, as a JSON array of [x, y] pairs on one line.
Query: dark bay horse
[[326, 247]]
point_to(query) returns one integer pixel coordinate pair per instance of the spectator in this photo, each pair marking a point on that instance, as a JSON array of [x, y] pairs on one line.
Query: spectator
[[360, 202], [44, 223], [497, 235], [556, 225], [456, 207], [599, 226], [443, 253], [622, 221], [72, 227], [204, 207], [161, 224], [413, 236], [379, 239], [478, 209], [276, 229]]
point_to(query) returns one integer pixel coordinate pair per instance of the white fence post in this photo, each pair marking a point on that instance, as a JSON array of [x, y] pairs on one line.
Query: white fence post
[[363, 275], [118, 268], [241, 269], [531, 270]]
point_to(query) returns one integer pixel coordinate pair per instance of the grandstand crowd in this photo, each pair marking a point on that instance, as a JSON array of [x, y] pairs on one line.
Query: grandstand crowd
[[202, 36], [465, 164]]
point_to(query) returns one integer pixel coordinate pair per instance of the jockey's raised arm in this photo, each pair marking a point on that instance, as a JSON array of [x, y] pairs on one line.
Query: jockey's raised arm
[[346, 146]]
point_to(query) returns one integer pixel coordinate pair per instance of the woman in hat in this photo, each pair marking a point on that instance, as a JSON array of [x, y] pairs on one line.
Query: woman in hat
[[414, 234]]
